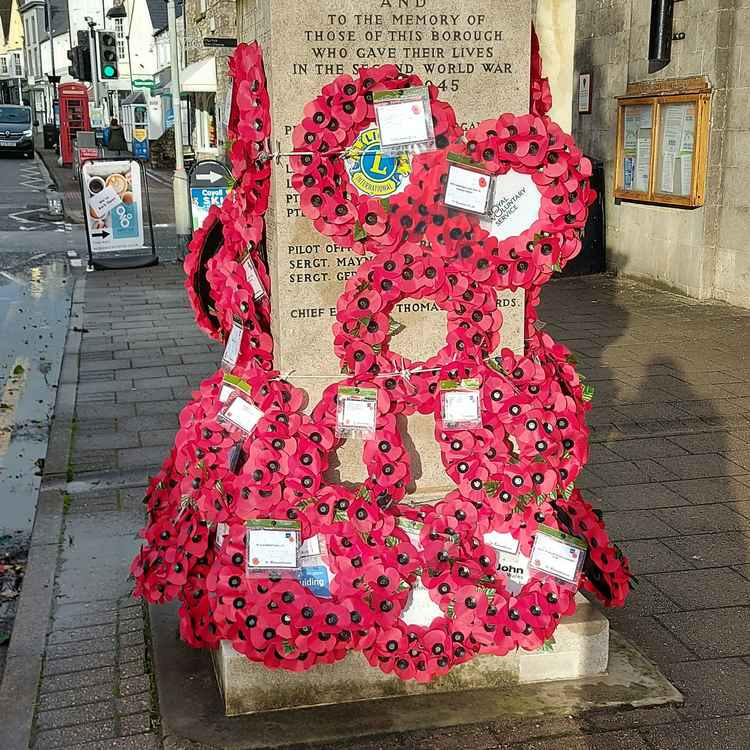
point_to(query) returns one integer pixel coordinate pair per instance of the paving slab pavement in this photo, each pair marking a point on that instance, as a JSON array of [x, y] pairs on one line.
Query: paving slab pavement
[[670, 471]]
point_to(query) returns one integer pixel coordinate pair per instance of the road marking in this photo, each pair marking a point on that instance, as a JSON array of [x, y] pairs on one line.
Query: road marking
[[36, 225], [158, 179], [31, 177]]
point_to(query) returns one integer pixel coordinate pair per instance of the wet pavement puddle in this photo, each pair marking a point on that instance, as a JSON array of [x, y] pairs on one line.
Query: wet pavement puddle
[[34, 312]]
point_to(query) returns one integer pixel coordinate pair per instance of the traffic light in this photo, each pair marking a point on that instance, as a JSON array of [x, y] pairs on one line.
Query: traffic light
[[80, 60], [107, 55], [84, 55], [74, 69]]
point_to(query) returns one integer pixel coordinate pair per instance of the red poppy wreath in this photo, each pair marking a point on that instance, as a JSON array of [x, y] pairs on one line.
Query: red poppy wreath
[[417, 588]]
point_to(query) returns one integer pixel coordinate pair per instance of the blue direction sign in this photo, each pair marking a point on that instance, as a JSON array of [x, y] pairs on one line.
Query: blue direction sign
[[141, 146], [209, 185]]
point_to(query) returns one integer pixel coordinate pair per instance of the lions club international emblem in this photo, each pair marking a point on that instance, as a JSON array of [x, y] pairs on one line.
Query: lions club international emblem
[[372, 172]]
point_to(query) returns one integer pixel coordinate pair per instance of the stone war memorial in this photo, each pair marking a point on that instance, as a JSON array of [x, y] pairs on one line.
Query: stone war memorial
[[374, 496]]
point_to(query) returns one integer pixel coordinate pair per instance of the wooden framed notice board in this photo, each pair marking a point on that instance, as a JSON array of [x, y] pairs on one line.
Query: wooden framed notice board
[[662, 144]]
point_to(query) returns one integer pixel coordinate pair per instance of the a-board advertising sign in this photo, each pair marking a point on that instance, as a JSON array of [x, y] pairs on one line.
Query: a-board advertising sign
[[113, 201], [209, 185]]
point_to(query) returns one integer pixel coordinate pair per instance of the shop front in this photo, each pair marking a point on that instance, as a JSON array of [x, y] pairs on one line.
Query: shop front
[[198, 80]]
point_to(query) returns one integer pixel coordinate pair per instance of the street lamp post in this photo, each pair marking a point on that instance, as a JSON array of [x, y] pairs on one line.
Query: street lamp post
[[179, 181]]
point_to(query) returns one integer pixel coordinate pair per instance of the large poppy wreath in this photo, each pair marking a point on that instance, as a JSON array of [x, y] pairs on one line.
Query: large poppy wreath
[[417, 588]]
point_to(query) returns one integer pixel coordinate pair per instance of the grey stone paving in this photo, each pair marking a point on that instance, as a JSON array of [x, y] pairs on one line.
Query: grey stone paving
[[96, 689], [670, 469]]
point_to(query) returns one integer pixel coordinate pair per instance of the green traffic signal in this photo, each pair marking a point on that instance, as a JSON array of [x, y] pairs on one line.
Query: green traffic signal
[[107, 55]]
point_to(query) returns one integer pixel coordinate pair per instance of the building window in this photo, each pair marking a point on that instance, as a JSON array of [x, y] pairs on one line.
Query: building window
[[120, 36], [16, 64], [662, 147], [162, 51], [4, 66]]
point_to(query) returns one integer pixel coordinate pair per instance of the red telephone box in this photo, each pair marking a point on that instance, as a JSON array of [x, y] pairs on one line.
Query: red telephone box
[[74, 116]]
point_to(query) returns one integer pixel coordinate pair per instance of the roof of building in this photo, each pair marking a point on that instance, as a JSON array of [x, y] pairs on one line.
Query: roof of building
[[59, 16], [136, 97], [158, 12], [5, 8]]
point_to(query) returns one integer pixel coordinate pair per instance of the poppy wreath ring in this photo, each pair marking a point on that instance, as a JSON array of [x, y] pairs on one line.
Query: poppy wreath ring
[[328, 137]]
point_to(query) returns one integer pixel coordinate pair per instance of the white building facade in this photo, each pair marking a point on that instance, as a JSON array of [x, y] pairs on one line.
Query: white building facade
[[138, 59]]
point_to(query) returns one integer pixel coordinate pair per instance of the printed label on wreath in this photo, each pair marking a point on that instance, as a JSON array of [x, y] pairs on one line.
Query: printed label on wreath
[[372, 172], [317, 578], [404, 117], [251, 275], [503, 541], [310, 547], [241, 413], [412, 529], [516, 203], [222, 529], [557, 554], [356, 412], [272, 544], [460, 404], [314, 572], [231, 383], [232, 348], [468, 189]]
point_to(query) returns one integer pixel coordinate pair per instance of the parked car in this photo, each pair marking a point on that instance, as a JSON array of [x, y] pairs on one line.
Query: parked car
[[16, 133]]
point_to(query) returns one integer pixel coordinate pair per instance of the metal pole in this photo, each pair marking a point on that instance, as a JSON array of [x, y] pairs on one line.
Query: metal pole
[[130, 62], [92, 56], [102, 87], [179, 181], [51, 53], [130, 28], [51, 38]]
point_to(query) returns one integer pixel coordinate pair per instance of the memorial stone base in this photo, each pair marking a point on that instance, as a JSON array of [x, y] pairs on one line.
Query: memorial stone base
[[580, 649]]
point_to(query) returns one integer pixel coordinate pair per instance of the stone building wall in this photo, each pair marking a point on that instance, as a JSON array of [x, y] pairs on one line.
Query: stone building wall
[[696, 251], [219, 19], [732, 281], [246, 10], [207, 18]]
